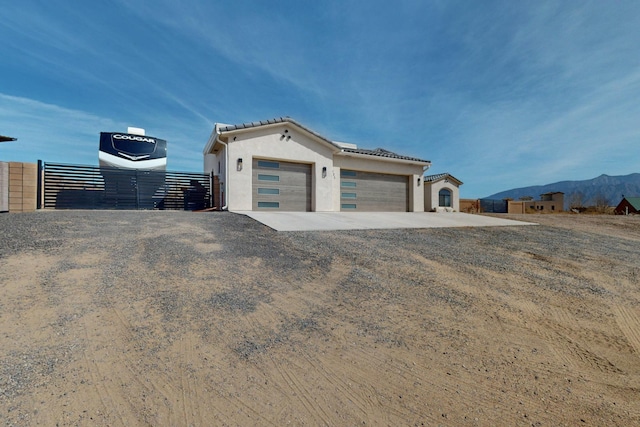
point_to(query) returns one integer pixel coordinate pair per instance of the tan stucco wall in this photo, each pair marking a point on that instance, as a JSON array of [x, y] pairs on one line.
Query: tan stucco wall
[[18, 186], [550, 206], [518, 207]]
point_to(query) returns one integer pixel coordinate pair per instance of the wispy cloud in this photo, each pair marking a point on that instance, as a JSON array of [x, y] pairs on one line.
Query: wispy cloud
[[49, 132], [56, 134], [498, 93]]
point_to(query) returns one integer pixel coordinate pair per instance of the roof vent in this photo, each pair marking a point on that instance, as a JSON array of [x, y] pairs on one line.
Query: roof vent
[[135, 131], [346, 145]]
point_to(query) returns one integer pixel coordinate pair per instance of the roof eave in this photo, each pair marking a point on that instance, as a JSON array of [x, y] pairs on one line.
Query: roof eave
[[249, 127], [443, 176], [416, 162]]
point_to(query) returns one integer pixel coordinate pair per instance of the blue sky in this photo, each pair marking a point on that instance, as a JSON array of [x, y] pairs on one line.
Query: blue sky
[[501, 94]]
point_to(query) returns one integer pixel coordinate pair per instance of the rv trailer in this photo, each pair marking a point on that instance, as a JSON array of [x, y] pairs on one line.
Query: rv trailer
[[133, 166]]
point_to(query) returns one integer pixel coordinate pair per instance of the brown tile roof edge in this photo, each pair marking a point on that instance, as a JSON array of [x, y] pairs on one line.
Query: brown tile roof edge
[[379, 152], [438, 177], [285, 119]]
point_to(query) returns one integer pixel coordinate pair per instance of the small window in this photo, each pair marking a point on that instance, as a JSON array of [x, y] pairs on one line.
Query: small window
[[268, 164], [349, 195], [268, 191], [264, 177], [553, 208], [348, 206], [348, 184], [347, 173], [274, 205]]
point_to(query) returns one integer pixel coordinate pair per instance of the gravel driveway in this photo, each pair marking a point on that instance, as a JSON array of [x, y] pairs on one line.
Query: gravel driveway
[[180, 318]]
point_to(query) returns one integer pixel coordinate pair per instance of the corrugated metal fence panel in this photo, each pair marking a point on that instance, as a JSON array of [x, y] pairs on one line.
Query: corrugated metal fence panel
[[493, 206], [90, 187]]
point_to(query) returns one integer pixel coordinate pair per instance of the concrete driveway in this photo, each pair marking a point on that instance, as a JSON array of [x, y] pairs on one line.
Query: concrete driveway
[[313, 221]]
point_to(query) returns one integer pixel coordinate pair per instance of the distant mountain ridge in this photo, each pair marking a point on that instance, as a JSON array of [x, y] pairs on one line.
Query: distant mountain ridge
[[611, 187]]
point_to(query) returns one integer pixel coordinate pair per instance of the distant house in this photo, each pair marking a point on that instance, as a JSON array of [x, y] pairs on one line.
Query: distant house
[[442, 193], [628, 205], [549, 203]]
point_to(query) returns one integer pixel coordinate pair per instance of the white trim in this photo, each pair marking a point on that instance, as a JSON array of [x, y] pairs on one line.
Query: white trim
[[119, 162]]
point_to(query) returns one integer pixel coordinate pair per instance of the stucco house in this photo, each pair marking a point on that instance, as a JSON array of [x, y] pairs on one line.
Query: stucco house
[[552, 202], [281, 165], [442, 193]]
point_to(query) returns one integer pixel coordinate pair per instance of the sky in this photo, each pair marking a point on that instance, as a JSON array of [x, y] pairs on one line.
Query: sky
[[500, 94]]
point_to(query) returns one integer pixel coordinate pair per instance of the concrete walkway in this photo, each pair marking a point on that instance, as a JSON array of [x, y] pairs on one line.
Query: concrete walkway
[[313, 221]]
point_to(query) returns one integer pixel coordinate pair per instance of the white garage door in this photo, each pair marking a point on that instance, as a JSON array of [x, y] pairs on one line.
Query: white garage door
[[367, 191], [282, 186]]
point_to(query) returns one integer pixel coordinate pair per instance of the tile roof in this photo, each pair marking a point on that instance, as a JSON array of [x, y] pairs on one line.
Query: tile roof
[[285, 119], [381, 152], [438, 177]]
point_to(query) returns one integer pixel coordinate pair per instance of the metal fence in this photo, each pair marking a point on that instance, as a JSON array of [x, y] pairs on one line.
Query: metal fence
[[67, 186], [494, 206]]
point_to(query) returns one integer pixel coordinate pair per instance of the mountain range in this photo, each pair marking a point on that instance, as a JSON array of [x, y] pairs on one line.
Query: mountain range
[[612, 188]]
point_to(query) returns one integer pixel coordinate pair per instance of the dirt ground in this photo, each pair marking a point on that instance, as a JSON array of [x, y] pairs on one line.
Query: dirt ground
[[198, 319]]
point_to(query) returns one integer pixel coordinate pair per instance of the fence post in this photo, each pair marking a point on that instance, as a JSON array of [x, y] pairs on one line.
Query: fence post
[[39, 186]]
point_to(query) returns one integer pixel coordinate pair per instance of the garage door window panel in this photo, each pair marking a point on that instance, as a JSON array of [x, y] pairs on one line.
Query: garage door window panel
[[269, 205], [271, 178], [268, 164], [269, 191]]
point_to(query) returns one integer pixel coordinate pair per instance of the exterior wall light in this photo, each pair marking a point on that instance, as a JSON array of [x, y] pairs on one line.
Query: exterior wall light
[[324, 171], [418, 181], [239, 164]]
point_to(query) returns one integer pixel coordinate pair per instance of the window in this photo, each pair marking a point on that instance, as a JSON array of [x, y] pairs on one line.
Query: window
[[348, 195], [264, 177], [268, 191], [274, 205], [348, 206], [348, 184], [347, 173], [268, 164], [444, 197]]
